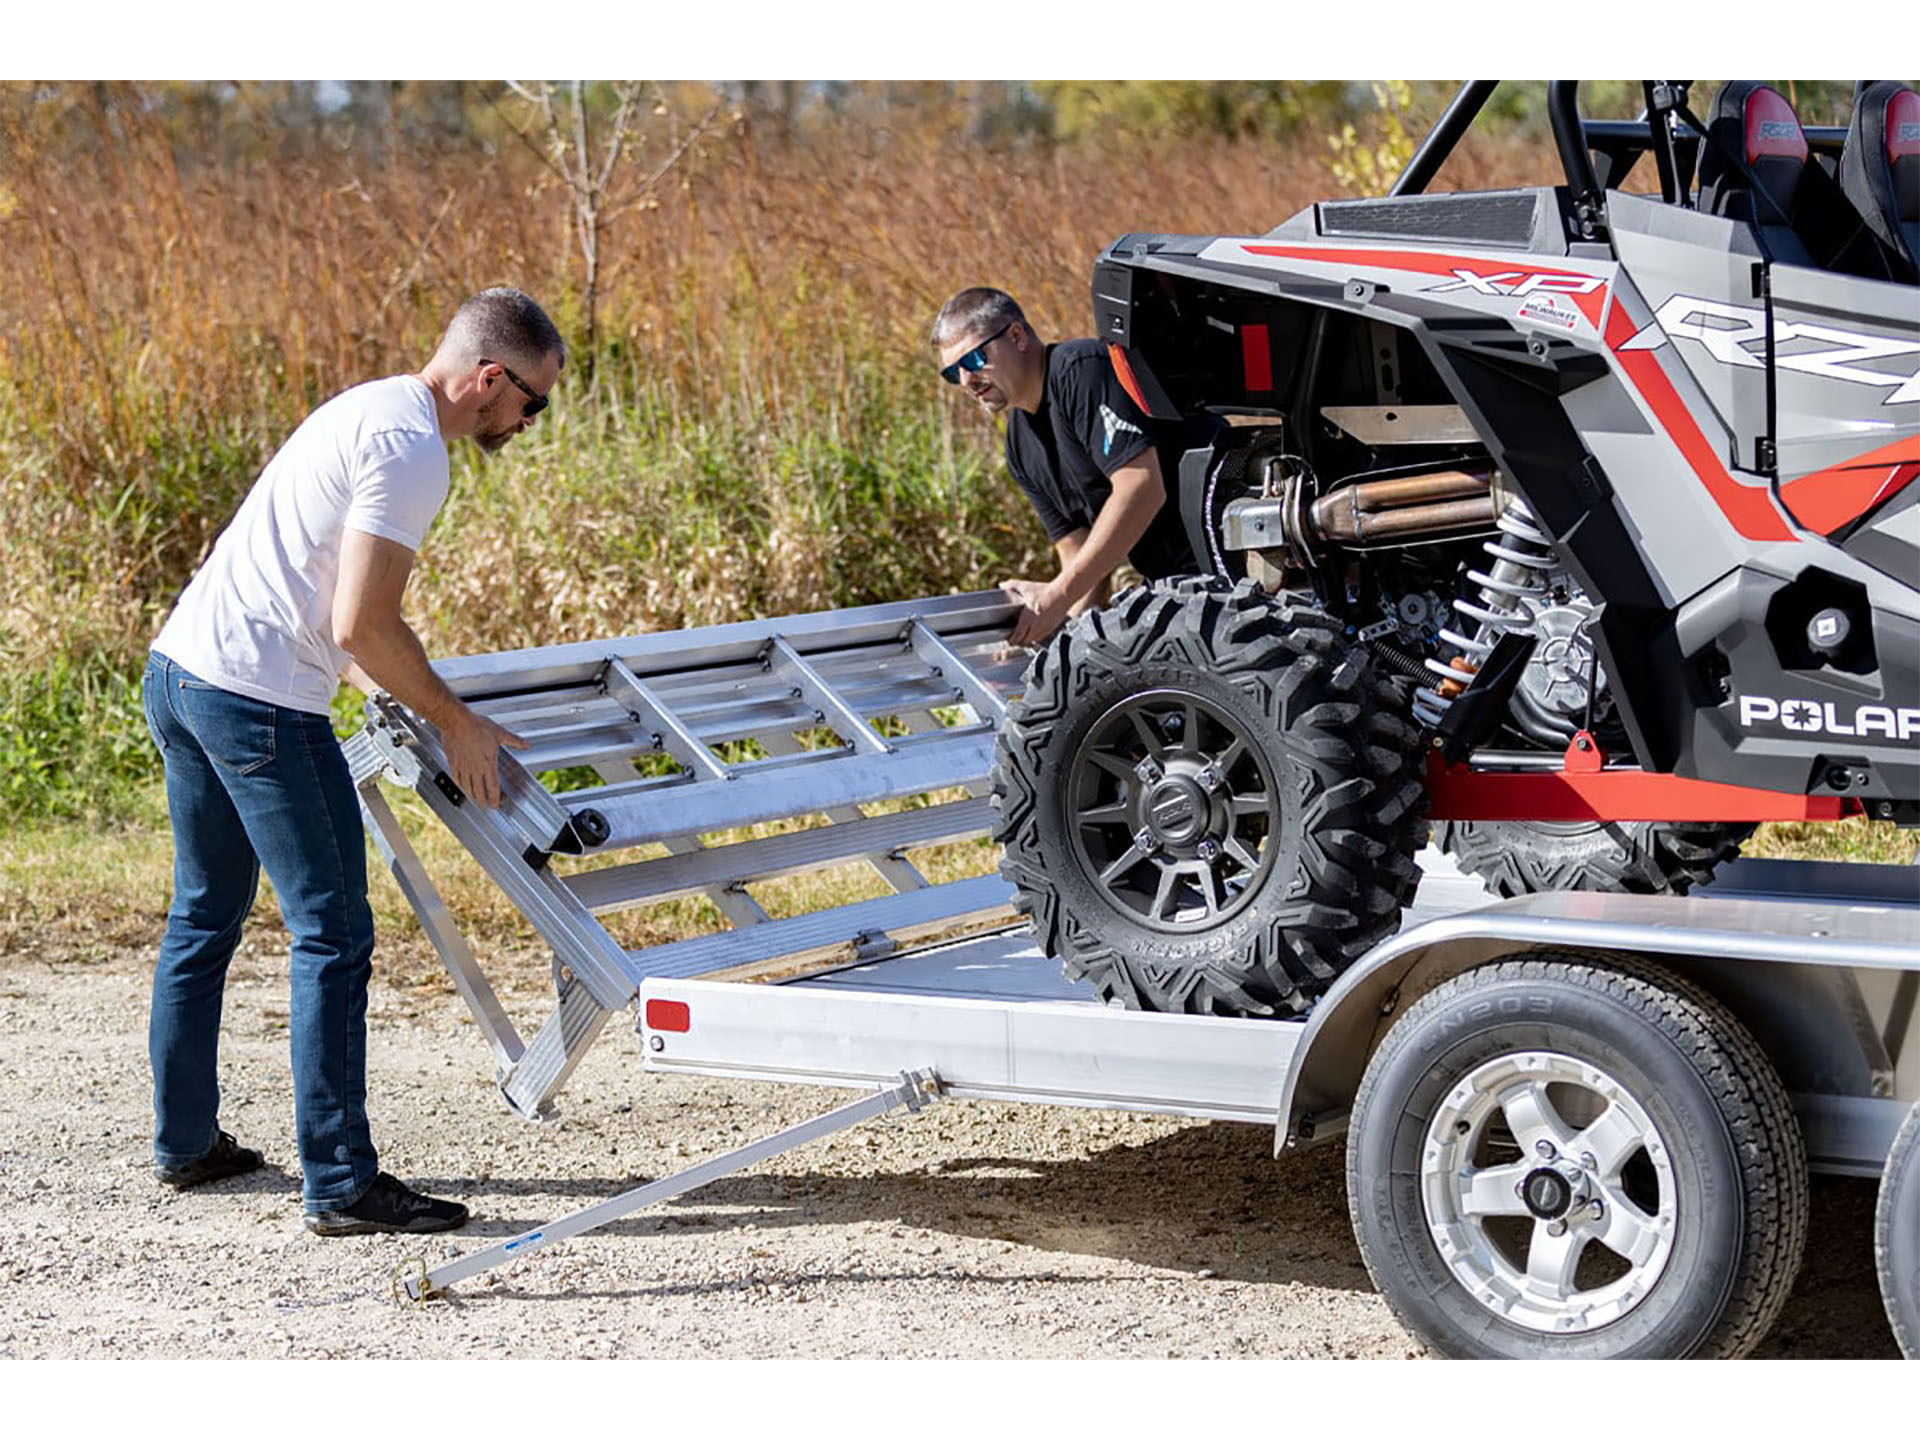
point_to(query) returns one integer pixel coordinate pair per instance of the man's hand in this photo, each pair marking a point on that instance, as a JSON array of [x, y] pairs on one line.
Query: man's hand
[[386, 654], [473, 753], [1043, 610]]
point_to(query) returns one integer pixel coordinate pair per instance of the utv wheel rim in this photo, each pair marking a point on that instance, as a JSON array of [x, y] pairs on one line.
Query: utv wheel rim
[[1549, 1192], [1172, 811]]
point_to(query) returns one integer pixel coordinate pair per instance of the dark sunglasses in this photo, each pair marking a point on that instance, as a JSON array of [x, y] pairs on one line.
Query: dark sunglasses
[[974, 359], [536, 402]]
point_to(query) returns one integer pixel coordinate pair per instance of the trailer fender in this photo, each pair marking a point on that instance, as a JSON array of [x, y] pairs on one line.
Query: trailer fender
[[1804, 1002]]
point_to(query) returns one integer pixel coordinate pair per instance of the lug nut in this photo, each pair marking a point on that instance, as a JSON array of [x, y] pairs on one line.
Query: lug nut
[[1556, 1228], [1208, 849], [1143, 839], [1587, 1162], [1148, 770], [1597, 1210], [1544, 1149], [1211, 778]]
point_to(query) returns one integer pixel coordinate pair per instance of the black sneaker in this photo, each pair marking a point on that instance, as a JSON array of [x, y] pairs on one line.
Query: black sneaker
[[226, 1158], [389, 1208]]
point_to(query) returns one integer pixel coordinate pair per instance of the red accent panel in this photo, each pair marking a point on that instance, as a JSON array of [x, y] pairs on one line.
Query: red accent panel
[[1429, 262], [1256, 358], [1459, 792], [1903, 125], [673, 1016], [1772, 127], [1828, 499], [1123, 368], [1750, 511]]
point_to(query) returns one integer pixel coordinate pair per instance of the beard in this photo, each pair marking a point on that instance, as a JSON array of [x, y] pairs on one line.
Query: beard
[[495, 427]]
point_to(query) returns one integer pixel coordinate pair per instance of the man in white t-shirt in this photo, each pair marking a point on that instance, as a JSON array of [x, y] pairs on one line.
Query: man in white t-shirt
[[303, 588]]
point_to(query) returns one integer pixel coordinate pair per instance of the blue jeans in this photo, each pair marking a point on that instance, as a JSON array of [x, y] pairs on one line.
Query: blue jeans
[[252, 784]]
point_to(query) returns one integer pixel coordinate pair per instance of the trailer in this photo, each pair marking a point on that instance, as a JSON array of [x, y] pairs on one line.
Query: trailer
[[1576, 1123]]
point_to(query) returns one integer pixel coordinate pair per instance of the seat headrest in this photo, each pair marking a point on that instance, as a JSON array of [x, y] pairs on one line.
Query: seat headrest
[[1755, 121], [1880, 170], [1903, 149]]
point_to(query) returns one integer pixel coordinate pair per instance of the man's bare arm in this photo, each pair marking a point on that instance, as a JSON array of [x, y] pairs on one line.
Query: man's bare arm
[[368, 625], [1137, 496], [1067, 548]]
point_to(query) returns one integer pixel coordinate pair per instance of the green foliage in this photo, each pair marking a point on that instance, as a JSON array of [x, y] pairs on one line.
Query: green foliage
[[1368, 167], [1168, 109], [73, 741]]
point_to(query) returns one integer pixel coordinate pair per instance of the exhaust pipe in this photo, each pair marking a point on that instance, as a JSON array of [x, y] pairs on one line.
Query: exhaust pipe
[[1404, 507], [1364, 515]]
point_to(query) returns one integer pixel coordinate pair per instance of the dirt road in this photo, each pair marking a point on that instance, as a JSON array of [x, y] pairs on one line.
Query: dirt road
[[971, 1230]]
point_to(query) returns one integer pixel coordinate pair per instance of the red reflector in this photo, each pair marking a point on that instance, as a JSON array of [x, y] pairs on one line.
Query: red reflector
[[1256, 358], [672, 1015]]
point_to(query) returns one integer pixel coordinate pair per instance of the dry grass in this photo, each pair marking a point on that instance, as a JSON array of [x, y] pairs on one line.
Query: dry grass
[[761, 433], [760, 389]]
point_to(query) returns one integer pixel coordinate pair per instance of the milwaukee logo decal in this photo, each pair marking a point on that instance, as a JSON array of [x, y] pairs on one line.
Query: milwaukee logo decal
[[1815, 717], [1736, 335]]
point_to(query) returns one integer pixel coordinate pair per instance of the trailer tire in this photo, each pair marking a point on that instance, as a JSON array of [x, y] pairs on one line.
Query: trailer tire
[[1273, 769], [1667, 1134], [1641, 857], [1896, 1236]]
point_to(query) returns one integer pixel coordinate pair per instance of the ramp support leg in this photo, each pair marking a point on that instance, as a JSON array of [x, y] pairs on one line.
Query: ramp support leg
[[531, 1082], [915, 1091], [435, 919]]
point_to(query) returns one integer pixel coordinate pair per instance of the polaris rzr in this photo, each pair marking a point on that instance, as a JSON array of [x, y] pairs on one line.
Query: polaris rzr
[[1576, 520]]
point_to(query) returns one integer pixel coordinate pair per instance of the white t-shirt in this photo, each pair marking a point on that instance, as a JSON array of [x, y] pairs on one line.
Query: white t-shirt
[[257, 618]]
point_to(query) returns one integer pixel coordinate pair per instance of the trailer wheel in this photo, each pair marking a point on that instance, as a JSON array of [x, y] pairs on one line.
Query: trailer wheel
[[1896, 1236], [1558, 1156], [1644, 857], [1209, 800]]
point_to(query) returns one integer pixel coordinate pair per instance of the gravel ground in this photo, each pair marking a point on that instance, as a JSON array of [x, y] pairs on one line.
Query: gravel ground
[[972, 1230]]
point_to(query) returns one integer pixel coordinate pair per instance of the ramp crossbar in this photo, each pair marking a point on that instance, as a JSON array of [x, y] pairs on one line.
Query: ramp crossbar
[[649, 753], [915, 1090]]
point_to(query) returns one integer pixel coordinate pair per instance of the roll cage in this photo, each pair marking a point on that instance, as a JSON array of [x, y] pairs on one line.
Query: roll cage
[[1665, 129]]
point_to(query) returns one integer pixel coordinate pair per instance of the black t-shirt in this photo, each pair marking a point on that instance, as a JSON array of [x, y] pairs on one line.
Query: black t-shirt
[[1086, 428]]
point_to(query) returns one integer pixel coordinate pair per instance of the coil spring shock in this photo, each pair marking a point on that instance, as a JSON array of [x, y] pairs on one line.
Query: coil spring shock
[[1523, 556]]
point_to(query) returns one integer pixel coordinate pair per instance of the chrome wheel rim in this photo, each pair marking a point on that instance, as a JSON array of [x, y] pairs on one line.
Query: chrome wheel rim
[[1172, 811], [1549, 1192]]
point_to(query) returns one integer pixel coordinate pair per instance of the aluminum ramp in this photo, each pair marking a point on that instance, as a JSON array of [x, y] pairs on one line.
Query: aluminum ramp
[[876, 723]]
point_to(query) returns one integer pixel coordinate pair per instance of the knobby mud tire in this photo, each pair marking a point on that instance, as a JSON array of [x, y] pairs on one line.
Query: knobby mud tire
[[1641, 857], [1344, 766]]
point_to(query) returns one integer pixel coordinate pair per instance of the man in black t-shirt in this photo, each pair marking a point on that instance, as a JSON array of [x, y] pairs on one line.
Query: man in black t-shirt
[[1100, 471]]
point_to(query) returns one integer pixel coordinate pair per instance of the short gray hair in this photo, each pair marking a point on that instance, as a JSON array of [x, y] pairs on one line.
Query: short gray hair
[[502, 324], [980, 310]]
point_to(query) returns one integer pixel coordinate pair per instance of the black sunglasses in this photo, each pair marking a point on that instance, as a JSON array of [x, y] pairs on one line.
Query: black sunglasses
[[974, 359], [536, 402]]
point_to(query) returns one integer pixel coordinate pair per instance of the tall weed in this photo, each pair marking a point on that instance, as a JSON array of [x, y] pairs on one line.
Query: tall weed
[[762, 431]]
